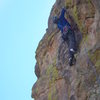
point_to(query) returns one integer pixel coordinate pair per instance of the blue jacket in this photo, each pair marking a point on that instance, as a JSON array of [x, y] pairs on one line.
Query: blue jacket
[[62, 21]]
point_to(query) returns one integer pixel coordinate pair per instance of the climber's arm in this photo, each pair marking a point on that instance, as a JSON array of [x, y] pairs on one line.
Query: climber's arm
[[62, 13], [60, 27]]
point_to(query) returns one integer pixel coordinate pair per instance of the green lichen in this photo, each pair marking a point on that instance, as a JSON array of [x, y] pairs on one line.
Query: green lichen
[[95, 55], [97, 63], [36, 90], [52, 93], [89, 3], [75, 13], [68, 3], [54, 61], [84, 41], [95, 58], [51, 36], [91, 8], [52, 72], [76, 18]]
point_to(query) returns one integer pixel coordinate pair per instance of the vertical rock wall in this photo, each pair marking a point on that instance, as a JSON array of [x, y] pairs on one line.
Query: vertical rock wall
[[56, 79]]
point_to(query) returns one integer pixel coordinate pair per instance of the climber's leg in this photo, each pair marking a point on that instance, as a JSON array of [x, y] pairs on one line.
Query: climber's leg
[[72, 47], [71, 56]]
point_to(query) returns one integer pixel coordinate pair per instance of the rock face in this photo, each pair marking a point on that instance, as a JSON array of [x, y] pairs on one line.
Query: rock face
[[56, 79]]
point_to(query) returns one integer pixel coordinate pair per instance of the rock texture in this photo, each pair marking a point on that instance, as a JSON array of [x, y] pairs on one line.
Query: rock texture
[[56, 79]]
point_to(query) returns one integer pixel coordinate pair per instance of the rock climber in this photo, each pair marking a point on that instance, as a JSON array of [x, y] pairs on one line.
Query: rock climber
[[67, 35]]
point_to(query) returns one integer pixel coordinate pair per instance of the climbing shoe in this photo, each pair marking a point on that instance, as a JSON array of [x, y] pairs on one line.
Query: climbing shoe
[[72, 61]]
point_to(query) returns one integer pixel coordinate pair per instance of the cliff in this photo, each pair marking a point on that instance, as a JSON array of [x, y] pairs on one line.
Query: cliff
[[56, 79]]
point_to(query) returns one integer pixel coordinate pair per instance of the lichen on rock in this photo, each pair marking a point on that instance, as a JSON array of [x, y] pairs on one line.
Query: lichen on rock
[[56, 80]]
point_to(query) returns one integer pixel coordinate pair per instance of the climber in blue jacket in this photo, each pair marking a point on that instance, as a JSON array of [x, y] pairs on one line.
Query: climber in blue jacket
[[67, 34]]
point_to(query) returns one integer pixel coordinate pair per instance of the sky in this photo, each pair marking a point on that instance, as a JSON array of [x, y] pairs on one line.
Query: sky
[[22, 25]]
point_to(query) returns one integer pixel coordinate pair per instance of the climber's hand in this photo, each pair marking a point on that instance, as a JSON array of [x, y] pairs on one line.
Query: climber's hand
[[64, 8]]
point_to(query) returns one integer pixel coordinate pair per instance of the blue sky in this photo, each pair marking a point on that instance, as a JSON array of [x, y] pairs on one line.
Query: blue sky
[[22, 25]]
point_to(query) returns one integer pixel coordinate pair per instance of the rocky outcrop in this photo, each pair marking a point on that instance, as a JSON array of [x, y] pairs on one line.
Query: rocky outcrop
[[56, 79]]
